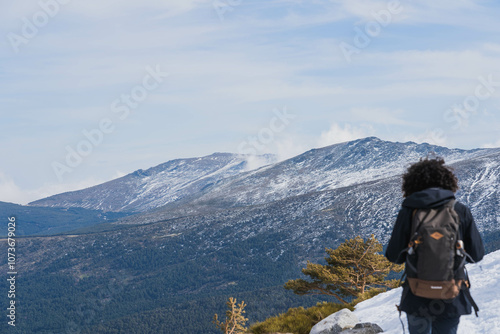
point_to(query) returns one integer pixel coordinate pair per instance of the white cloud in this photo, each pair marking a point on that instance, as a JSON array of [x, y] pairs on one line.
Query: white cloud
[[458, 13], [492, 144], [11, 192], [433, 137], [109, 8], [492, 47], [255, 162], [274, 88], [432, 64], [118, 174], [379, 116], [363, 8], [338, 134], [288, 147]]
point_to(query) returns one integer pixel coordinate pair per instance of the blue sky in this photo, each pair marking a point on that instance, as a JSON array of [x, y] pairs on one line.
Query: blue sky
[[122, 85]]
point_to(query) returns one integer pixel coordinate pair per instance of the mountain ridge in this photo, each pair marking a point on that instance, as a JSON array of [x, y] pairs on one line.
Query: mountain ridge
[[143, 190], [231, 183]]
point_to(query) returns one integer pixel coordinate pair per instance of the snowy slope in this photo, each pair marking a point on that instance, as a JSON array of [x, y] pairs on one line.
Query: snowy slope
[[332, 167], [157, 186], [485, 279]]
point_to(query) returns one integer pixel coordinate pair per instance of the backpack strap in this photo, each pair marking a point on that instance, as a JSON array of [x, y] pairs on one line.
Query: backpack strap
[[465, 256], [468, 295], [471, 300]]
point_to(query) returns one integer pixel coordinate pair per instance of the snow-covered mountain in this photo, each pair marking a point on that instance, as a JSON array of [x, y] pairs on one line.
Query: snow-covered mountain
[[226, 179], [485, 279], [333, 167], [148, 189], [310, 221]]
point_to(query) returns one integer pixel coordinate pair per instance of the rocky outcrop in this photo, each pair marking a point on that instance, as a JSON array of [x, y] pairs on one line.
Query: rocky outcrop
[[364, 328], [344, 322], [336, 323]]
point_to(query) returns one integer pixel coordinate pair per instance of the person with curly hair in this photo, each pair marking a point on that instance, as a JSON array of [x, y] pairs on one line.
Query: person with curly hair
[[427, 184]]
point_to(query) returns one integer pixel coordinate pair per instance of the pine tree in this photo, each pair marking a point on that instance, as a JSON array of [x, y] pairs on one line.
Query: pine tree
[[235, 321], [351, 270]]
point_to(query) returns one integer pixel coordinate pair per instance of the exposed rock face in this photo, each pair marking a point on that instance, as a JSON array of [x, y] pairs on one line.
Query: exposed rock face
[[344, 322], [335, 323], [364, 328]]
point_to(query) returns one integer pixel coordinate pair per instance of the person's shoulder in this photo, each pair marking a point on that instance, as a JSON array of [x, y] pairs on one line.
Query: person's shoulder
[[459, 206], [462, 210]]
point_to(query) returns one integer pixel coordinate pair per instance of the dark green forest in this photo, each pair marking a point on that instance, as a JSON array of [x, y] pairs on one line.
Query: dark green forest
[[142, 288]]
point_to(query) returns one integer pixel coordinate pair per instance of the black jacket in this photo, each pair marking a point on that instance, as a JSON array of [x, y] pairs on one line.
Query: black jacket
[[473, 244]]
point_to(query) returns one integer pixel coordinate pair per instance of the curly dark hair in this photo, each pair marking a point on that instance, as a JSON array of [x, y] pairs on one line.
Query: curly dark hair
[[429, 173]]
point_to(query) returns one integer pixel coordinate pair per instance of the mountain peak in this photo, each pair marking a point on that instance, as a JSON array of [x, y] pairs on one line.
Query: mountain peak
[[369, 140]]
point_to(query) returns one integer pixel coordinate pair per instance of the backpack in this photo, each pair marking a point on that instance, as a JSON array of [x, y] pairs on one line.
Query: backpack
[[435, 258]]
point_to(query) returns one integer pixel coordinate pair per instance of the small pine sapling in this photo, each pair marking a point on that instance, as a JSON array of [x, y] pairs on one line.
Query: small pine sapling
[[235, 320]]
